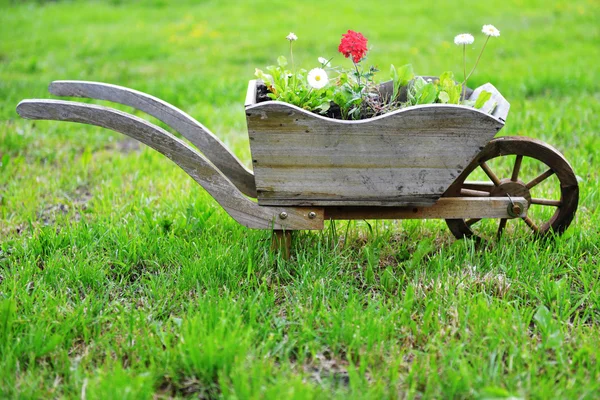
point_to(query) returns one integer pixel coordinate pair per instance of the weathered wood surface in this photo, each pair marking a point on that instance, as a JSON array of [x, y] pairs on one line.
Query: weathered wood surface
[[446, 208], [191, 161], [188, 127], [407, 157], [497, 104], [251, 93]]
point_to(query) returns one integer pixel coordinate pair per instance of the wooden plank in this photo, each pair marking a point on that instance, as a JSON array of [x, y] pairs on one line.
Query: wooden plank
[[191, 161], [405, 201], [292, 190], [251, 93], [303, 158], [445, 208], [210, 145], [497, 104]]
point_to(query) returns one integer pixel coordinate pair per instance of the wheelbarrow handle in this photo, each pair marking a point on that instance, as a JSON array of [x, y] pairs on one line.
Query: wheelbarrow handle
[[209, 144], [243, 210]]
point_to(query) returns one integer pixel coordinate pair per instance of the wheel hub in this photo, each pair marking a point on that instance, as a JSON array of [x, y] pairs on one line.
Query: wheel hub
[[513, 189]]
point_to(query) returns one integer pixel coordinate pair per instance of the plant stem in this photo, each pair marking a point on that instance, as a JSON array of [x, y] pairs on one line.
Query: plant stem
[[477, 62], [465, 64], [305, 96], [357, 73], [293, 68], [358, 81]]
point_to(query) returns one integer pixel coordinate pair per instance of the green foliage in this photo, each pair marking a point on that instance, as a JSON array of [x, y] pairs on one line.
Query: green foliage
[[444, 90], [356, 93], [347, 97], [287, 86], [452, 90], [421, 92], [400, 78]]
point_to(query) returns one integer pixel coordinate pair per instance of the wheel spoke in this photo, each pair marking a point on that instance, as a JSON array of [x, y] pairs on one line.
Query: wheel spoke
[[516, 168], [490, 174], [531, 224], [546, 202], [477, 185], [540, 179], [473, 193], [472, 221], [501, 226]]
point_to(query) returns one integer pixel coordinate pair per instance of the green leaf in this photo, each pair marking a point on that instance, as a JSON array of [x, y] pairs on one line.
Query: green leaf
[[443, 97], [483, 97], [266, 78], [393, 73], [343, 78], [405, 74], [282, 61], [417, 86], [324, 107], [428, 94], [455, 93], [447, 80]]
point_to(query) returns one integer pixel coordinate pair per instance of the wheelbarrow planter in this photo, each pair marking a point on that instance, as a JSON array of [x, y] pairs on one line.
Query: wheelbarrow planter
[[412, 163]]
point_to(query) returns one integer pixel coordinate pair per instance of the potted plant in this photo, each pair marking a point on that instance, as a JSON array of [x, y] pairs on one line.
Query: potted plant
[[334, 137]]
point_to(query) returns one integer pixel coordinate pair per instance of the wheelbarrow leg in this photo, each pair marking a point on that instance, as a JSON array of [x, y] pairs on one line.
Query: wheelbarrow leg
[[282, 241]]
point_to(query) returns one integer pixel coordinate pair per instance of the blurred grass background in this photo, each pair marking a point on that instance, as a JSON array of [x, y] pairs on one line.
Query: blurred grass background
[[118, 273]]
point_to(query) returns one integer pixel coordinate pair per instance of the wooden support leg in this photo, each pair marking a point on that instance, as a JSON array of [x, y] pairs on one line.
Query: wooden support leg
[[281, 241]]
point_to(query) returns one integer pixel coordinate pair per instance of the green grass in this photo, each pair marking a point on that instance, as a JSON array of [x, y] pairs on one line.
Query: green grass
[[119, 276]]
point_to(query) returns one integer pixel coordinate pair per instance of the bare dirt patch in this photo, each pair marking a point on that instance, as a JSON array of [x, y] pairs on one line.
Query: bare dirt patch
[[323, 368], [78, 204]]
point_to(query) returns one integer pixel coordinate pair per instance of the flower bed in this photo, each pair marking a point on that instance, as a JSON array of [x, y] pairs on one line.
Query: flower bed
[[353, 93]]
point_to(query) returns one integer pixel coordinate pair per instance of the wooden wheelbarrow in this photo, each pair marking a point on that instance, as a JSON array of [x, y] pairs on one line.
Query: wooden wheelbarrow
[[412, 163]]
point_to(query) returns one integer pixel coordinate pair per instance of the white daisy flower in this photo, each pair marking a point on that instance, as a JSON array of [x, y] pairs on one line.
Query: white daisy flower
[[291, 37], [490, 30], [324, 62], [317, 78], [464, 38]]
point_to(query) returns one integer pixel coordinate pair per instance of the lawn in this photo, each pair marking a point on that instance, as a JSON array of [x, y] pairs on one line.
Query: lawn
[[121, 278]]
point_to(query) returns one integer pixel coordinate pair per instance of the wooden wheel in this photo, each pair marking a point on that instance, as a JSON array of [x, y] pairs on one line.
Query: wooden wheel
[[519, 166]]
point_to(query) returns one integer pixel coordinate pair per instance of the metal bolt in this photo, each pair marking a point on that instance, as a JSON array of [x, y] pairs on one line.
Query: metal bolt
[[312, 215], [517, 209], [283, 215], [514, 210]]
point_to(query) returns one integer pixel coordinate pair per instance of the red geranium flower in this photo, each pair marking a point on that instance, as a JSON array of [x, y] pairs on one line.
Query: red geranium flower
[[353, 44]]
